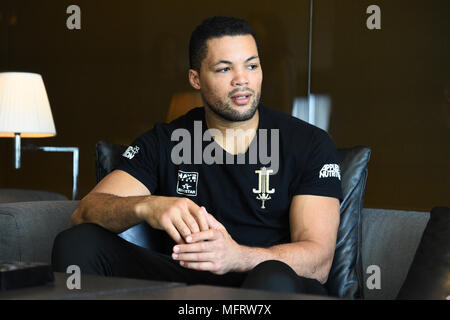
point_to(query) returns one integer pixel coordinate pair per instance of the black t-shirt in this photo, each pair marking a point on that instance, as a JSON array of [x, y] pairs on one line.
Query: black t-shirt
[[249, 196]]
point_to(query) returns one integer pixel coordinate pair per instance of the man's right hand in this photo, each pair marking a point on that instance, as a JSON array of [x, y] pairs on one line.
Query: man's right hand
[[179, 217], [120, 201]]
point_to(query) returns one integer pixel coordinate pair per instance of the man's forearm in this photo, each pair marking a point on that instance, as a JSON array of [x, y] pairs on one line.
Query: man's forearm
[[306, 258], [114, 213]]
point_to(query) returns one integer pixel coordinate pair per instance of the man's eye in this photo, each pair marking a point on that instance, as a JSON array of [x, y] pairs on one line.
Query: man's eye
[[253, 66], [223, 69]]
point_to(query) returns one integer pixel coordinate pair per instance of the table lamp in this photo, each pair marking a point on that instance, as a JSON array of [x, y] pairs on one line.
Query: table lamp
[[25, 113]]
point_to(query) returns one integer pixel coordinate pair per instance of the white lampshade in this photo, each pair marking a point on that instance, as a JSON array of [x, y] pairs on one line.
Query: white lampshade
[[24, 106]]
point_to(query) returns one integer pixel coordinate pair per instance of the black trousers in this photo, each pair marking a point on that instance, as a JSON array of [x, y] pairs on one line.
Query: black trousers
[[98, 251]]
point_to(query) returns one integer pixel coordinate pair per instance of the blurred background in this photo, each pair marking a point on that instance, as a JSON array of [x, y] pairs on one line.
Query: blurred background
[[113, 79]]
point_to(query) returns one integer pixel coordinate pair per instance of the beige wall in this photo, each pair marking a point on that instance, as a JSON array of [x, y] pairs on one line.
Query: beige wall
[[114, 79]]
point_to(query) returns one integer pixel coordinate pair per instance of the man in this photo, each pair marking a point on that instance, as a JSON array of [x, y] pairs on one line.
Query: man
[[238, 222]]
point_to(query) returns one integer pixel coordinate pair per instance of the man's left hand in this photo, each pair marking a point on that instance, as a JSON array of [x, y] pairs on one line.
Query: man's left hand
[[213, 250]]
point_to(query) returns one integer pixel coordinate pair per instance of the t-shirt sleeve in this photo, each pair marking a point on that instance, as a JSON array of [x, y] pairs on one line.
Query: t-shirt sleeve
[[141, 160], [321, 174]]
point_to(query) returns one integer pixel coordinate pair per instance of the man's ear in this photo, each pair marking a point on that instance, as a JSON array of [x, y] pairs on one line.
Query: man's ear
[[194, 79]]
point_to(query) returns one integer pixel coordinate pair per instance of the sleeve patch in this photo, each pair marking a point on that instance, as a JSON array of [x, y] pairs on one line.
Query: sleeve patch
[[131, 152], [330, 170]]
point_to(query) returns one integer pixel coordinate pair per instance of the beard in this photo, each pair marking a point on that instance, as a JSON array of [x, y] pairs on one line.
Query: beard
[[224, 110]]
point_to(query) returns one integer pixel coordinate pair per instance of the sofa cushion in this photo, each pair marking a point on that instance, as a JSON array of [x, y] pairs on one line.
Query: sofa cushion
[[345, 277], [389, 250], [429, 274], [22, 224], [22, 195]]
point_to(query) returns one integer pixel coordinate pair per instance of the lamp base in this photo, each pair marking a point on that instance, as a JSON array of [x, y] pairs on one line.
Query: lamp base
[[30, 147], [17, 151]]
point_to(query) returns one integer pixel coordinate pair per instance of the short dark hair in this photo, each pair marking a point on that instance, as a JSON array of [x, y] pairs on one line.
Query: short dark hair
[[214, 27]]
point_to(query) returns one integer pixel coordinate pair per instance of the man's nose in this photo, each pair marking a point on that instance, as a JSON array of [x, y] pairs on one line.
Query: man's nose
[[239, 79]]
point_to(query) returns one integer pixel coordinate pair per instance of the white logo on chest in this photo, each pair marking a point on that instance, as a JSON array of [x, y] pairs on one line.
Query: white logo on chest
[[263, 190], [187, 183]]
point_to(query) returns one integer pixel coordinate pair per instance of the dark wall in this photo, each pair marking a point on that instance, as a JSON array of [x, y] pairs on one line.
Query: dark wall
[[114, 79], [390, 90]]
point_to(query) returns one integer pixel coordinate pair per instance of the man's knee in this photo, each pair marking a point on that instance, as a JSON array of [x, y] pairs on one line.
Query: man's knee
[[76, 236], [76, 245], [271, 275], [275, 275]]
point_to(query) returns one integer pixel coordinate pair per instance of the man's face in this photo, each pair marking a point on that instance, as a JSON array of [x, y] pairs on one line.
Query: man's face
[[230, 77]]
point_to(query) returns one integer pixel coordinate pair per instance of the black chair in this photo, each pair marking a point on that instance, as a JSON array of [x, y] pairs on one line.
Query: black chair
[[346, 275]]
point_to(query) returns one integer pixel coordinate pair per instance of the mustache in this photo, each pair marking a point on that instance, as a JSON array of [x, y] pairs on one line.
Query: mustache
[[233, 92]]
